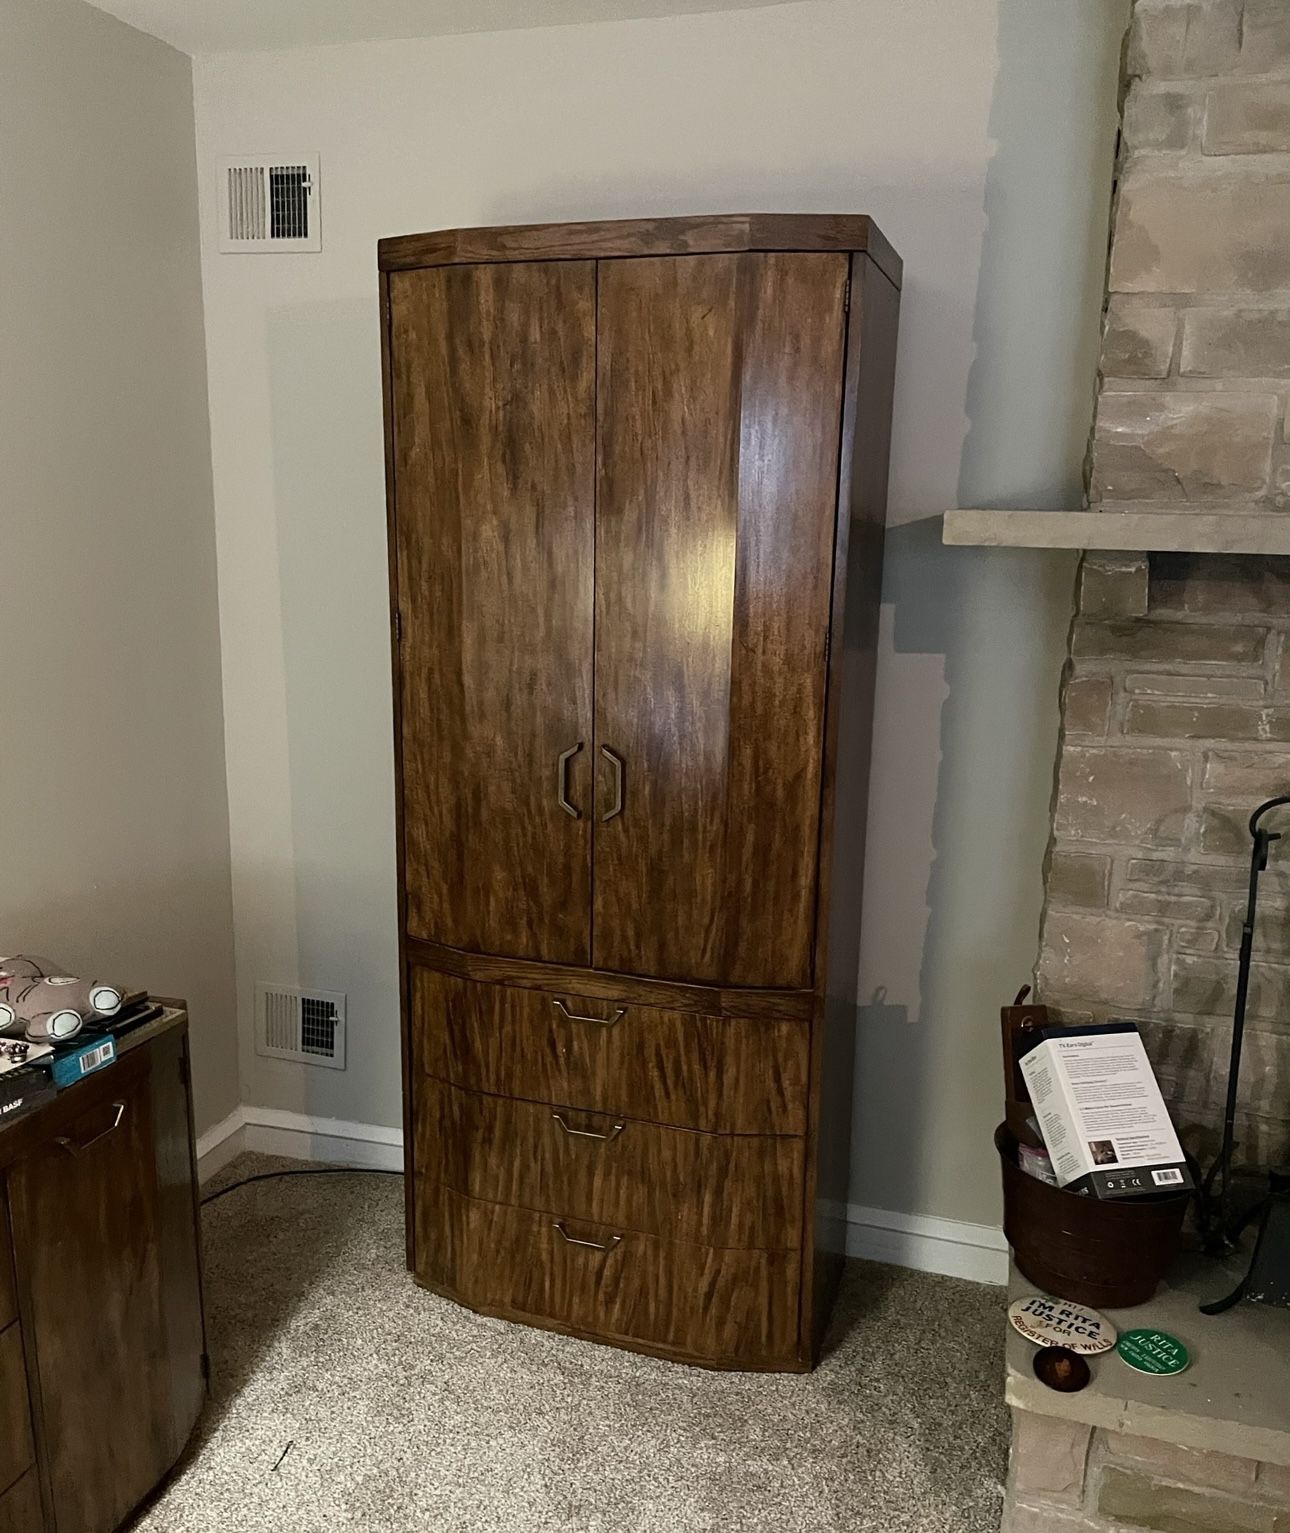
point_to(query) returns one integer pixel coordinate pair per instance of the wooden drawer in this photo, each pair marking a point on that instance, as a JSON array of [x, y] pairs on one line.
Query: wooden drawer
[[718, 1189], [730, 1075], [729, 1307], [20, 1506], [17, 1452]]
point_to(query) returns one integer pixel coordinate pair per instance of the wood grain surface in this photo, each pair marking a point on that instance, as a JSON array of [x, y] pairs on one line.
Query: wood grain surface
[[719, 1074], [85, 1225], [741, 1190], [8, 1292], [104, 1279], [20, 1510], [179, 1238], [619, 989], [396, 719], [727, 1306], [17, 1450], [720, 383], [871, 368], [637, 476], [493, 372], [621, 237]]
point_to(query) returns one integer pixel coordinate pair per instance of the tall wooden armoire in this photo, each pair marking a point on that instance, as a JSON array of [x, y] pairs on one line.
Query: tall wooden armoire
[[637, 475]]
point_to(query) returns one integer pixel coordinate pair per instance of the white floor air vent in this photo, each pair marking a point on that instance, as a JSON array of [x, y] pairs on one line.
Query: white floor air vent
[[305, 1025], [269, 202]]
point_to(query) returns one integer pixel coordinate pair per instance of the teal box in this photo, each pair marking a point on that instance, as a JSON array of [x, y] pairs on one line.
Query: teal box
[[75, 1064]]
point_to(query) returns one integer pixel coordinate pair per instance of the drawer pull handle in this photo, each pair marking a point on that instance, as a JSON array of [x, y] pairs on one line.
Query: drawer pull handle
[[591, 1245], [576, 1016], [586, 1133], [71, 1146]]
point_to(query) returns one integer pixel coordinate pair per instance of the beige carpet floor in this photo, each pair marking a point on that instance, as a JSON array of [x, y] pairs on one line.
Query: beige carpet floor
[[399, 1412]]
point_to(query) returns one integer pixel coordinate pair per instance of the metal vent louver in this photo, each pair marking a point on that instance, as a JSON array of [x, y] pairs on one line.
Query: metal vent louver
[[269, 203], [304, 1025]]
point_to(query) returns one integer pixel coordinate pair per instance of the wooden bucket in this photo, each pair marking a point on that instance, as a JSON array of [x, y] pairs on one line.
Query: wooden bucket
[[1105, 1254]]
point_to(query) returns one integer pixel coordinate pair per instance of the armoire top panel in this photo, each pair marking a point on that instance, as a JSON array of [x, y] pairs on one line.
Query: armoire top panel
[[717, 233]]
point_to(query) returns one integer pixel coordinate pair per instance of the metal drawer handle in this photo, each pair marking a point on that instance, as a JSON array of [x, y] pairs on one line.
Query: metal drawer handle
[[615, 761], [586, 1133], [72, 1148], [591, 1245], [576, 1016], [562, 781]]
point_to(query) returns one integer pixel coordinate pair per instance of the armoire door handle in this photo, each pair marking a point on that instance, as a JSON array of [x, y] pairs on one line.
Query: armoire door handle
[[576, 1016], [586, 1133], [562, 781], [615, 761], [591, 1245]]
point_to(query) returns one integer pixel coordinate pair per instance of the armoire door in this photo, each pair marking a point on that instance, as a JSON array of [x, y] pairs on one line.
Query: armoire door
[[493, 414], [719, 408]]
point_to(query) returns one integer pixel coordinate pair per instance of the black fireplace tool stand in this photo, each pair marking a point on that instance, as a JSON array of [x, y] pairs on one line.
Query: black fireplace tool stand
[[1221, 1222]]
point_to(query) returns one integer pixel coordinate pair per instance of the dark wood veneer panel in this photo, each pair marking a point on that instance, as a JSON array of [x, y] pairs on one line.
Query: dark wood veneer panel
[[96, 1319], [179, 1235], [493, 371], [20, 1510], [719, 385], [726, 1075], [740, 1190], [8, 1291], [557, 979], [871, 366], [736, 1307], [17, 1450], [396, 674], [626, 237]]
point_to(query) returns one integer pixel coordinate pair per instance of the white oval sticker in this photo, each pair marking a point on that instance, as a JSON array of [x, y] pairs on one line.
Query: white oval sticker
[[1055, 1322]]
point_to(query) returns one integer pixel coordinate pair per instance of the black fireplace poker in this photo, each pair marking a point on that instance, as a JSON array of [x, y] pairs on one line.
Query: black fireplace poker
[[1220, 1227]]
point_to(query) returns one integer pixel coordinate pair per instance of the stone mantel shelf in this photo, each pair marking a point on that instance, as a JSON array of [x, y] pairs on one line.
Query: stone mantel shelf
[[1136, 531]]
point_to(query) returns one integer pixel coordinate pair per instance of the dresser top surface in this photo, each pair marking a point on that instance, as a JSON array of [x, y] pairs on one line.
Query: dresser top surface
[[703, 234], [30, 1124]]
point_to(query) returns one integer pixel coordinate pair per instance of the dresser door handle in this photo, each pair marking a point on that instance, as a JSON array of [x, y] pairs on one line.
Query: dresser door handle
[[591, 1245], [576, 1016], [71, 1146], [562, 781], [586, 1133], [615, 761]]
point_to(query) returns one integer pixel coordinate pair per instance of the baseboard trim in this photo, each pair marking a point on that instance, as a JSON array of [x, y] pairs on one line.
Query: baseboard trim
[[926, 1243], [923, 1242], [333, 1141], [221, 1144]]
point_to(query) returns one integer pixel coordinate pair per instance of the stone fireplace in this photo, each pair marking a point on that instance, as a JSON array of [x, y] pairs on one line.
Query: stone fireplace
[[1175, 725], [1176, 698]]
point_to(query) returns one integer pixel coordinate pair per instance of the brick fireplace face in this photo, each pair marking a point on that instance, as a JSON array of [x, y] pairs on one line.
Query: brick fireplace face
[[1176, 695], [1176, 724]]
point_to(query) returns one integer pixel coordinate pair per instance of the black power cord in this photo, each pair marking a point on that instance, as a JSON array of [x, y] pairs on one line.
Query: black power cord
[[269, 1176]]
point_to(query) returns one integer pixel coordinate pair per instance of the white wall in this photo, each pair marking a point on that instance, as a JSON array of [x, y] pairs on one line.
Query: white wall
[[980, 136], [112, 798]]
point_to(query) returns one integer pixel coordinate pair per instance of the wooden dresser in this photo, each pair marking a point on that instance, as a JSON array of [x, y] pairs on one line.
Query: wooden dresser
[[102, 1351], [636, 491]]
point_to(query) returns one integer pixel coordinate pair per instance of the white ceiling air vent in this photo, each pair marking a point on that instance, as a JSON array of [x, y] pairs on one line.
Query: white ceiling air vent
[[269, 202], [305, 1025]]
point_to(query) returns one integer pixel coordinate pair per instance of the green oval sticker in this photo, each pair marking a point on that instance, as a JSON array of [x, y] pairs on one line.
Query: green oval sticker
[[1153, 1351]]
